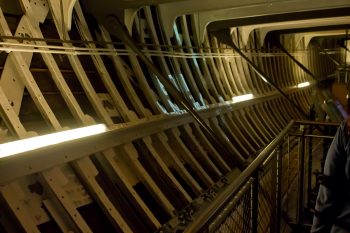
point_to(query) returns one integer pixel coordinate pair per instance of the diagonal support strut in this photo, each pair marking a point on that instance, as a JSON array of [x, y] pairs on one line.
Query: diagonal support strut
[[225, 37], [265, 77], [304, 68]]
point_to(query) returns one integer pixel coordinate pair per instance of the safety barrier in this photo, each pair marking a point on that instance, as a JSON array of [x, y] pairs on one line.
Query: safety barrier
[[276, 192]]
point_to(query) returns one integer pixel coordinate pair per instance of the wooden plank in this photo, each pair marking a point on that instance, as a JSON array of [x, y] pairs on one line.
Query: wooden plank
[[278, 109], [159, 171], [255, 124], [236, 142], [251, 128], [84, 120], [17, 207], [88, 172], [255, 56], [161, 143], [102, 70], [58, 78], [240, 63], [261, 61], [131, 157], [180, 39], [238, 134], [240, 124], [27, 78], [195, 74], [162, 93], [248, 70], [117, 170], [12, 85], [259, 108], [150, 94], [22, 63], [55, 180], [124, 79], [261, 120], [176, 73], [228, 71], [216, 127], [210, 149], [219, 64], [10, 117], [101, 197], [78, 68], [199, 153], [207, 77], [183, 152], [274, 116], [236, 76], [214, 74]]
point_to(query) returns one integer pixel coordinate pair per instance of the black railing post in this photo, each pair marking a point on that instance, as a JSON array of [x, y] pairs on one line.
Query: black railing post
[[273, 189], [278, 190], [301, 179], [309, 172], [255, 201]]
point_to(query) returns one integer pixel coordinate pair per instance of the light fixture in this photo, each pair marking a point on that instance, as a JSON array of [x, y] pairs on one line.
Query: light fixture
[[241, 98], [305, 84], [28, 144]]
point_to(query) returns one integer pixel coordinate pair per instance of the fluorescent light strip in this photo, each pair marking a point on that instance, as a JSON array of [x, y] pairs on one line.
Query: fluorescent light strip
[[241, 98], [28, 144], [305, 84]]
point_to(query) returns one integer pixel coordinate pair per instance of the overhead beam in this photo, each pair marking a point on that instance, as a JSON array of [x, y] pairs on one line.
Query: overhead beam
[[265, 28], [206, 12]]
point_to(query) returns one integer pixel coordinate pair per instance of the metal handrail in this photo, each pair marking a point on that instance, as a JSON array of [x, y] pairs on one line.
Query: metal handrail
[[205, 216], [233, 188]]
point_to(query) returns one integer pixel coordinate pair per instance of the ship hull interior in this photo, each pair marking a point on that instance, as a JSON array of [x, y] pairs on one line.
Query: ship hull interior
[[177, 101]]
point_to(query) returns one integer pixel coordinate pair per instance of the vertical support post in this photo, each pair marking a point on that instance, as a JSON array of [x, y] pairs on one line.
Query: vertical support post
[[273, 190], [255, 202], [288, 173], [326, 144], [278, 190], [309, 169], [301, 179]]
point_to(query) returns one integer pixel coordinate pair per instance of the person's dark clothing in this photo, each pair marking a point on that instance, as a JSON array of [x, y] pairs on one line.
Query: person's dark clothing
[[332, 210]]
